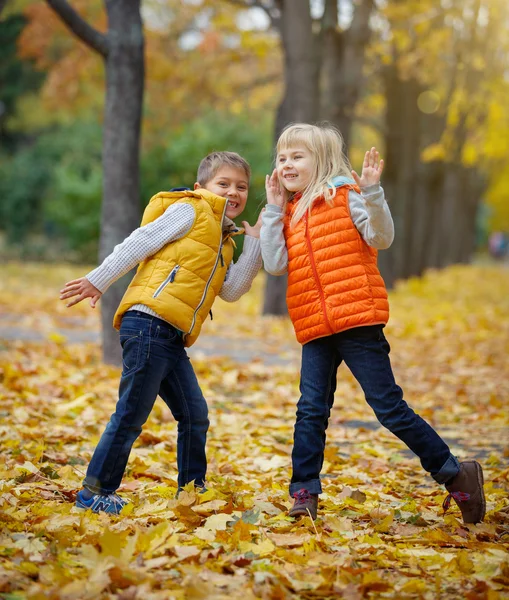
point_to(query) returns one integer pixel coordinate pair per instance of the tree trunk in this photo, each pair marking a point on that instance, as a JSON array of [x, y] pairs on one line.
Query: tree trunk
[[349, 78], [300, 103], [120, 213], [122, 48], [400, 175]]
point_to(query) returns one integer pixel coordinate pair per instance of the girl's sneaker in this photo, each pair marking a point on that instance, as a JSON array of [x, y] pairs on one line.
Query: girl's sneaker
[[108, 503], [305, 504], [466, 489]]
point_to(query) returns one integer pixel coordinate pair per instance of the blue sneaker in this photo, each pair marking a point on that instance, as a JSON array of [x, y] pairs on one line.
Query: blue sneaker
[[109, 503]]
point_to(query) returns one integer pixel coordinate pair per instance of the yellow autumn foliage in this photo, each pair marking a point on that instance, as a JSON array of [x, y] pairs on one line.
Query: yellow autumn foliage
[[381, 532]]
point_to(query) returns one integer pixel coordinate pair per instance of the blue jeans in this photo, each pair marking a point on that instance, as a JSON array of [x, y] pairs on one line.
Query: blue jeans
[[366, 353], [154, 363]]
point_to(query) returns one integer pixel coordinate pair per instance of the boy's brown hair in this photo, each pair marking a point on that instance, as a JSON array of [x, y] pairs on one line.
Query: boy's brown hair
[[211, 164]]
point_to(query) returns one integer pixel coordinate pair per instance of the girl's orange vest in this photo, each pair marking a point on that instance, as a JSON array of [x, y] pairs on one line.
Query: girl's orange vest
[[333, 280]]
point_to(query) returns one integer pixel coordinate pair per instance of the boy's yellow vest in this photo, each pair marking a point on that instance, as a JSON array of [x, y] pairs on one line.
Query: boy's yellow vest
[[181, 281]]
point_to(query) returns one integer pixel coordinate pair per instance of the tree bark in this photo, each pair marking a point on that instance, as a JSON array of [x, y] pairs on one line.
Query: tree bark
[[120, 213], [348, 78], [123, 51], [299, 104]]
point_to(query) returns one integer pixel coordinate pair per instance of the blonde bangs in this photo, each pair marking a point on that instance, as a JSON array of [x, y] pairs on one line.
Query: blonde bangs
[[325, 144]]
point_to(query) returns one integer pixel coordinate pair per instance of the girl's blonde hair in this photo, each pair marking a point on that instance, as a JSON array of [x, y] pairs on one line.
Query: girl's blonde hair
[[325, 144]]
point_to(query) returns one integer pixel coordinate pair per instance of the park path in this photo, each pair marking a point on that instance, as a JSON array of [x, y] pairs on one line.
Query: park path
[[237, 350]]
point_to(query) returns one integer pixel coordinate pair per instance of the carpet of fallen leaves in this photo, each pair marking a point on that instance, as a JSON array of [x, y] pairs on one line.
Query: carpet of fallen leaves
[[380, 533]]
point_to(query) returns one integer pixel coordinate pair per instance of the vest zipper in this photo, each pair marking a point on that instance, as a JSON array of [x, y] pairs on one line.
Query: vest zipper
[[207, 285], [169, 279], [315, 273]]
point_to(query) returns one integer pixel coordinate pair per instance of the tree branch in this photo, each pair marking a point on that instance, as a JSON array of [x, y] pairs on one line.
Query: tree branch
[[81, 29]]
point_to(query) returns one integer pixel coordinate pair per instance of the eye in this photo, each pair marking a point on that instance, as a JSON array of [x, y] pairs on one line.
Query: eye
[[223, 184], [281, 159]]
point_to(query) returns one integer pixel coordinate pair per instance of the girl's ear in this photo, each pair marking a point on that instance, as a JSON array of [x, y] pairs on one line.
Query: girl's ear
[[197, 186]]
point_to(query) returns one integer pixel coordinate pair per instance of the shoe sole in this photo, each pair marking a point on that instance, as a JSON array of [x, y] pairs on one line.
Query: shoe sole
[[480, 481], [302, 513]]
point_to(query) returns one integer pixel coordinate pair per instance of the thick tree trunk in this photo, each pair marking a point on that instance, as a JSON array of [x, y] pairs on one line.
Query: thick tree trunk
[[299, 104], [348, 77], [400, 176], [120, 213], [123, 51]]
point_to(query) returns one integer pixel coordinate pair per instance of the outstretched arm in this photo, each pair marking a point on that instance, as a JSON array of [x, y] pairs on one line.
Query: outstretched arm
[[142, 243]]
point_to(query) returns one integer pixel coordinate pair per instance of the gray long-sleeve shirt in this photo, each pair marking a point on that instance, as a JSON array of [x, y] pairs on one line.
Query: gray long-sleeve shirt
[[173, 224], [370, 214]]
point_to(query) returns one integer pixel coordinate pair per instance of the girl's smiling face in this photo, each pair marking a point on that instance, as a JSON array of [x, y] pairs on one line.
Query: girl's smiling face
[[295, 168]]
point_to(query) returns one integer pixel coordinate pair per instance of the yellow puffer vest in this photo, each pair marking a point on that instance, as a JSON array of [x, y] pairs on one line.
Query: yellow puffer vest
[[181, 281]]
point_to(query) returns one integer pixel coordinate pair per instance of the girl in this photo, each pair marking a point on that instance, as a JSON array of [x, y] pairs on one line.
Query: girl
[[324, 229]]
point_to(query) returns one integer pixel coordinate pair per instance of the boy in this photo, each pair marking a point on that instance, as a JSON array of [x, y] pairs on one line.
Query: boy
[[184, 247]]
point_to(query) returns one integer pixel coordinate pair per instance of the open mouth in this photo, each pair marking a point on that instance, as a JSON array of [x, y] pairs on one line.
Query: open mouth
[[290, 176], [232, 204]]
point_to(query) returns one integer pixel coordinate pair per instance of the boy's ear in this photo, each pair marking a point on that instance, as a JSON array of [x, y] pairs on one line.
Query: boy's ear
[[197, 186]]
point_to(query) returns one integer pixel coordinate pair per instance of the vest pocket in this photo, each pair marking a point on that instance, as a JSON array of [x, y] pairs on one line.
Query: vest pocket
[[169, 279]]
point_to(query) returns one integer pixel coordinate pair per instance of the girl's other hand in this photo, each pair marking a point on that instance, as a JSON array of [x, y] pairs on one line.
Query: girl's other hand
[[276, 194], [372, 168], [254, 230], [79, 289]]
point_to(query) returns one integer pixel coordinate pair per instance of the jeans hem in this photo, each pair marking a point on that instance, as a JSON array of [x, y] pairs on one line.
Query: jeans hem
[[448, 471], [97, 490], [313, 486]]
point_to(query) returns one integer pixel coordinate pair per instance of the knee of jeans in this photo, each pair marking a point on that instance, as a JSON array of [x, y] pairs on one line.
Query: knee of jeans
[[391, 418], [198, 416], [313, 411], [201, 416]]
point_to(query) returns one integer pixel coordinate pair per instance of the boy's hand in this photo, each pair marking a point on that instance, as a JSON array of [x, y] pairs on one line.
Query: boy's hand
[[276, 193], [254, 231], [372, 168], [82, 288]]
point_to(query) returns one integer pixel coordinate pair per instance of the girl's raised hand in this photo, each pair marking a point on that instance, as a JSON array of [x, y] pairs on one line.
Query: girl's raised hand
[[372, 168], [78, 290], [276, 194]]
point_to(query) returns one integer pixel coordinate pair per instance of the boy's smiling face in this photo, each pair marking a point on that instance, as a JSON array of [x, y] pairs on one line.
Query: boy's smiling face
[[230, 183]]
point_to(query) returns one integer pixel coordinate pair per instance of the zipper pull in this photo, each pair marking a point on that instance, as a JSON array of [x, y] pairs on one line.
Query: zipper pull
[[222, 259], [173, 273], [211, 315]]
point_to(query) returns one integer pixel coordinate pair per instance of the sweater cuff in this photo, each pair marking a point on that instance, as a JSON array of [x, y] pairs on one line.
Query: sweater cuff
[[274, 209], [99, 278], [252, 246], [373, 193]]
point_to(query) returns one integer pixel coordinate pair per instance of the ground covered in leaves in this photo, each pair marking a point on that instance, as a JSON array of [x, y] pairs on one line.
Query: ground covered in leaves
[[380, 533]]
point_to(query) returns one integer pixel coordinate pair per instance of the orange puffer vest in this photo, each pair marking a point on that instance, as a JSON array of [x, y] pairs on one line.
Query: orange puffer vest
[[333, 280]]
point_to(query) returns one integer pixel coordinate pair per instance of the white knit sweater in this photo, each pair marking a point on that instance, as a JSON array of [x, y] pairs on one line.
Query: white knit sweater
[[173, 224]]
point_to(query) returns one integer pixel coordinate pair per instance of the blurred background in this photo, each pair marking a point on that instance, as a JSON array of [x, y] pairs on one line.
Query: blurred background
[[103, 104]]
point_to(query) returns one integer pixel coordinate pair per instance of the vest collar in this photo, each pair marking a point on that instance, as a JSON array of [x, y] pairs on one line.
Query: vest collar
[[338, 181]]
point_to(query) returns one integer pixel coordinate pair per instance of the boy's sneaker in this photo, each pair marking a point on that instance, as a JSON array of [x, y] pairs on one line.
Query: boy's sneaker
[[305, 504], [109, 503], [467, 491]]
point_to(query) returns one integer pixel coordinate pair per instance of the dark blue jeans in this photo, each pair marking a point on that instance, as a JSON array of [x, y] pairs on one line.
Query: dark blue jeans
[[366, 353], [154, 363]]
